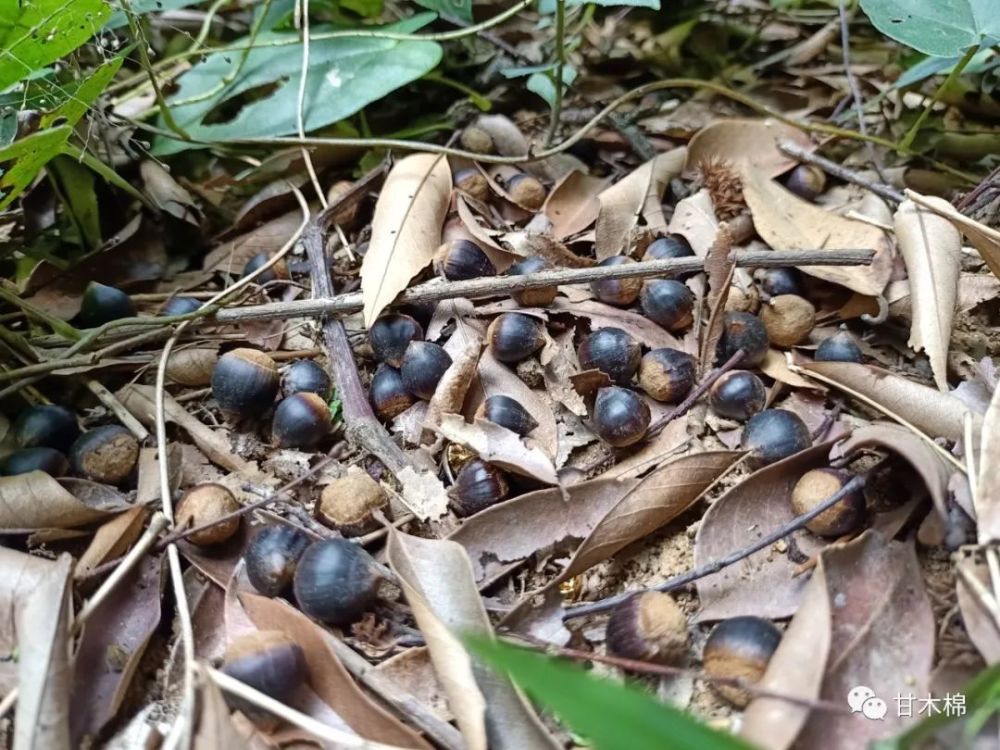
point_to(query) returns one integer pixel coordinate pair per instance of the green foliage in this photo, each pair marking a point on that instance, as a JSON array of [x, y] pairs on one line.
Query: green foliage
[[549, 6], [261, 99], [460, 9], [942, 28], [141, 7], [35, 34], [26, 157], [74, 184], [609, 716]]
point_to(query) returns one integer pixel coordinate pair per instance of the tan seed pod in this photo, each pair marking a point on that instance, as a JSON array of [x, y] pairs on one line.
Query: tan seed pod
[[788, 319], [206, 503], [192, 367], [348, 503]]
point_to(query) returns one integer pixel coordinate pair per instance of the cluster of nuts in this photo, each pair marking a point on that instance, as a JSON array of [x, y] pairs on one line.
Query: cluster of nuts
[[49, 440], [245, 383]]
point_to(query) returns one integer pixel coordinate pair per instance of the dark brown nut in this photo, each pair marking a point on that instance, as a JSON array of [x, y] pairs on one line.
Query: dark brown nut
[[621, 417], [739, 648], [306, 376], [746, 332], [301, 421], [738, 395], [839, 519], [667, 374], [272, 556], [540, 296], [668, 303], [777, 281], [105, 454], [620, 292], [667, 247], [103, 303], [423, 366], [46, 426], [788, 319], [268, 661], [179, 306], [774, 434], [515, 336], [277, 272], [613, 352], [507, 412], [336, 581], [840, 347], [478, 486], [472, 182], [245, 382], [648, 626], [388, 394], [526, 191], [807, 181], [26, 460], [390, 335], [463, 259]]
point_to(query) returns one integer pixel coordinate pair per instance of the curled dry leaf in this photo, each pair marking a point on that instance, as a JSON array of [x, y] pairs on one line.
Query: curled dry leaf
[[464, 347], [932, 250], [573, 205], [752, 141], [979, 621], [437, 580], [775, 365], [786, 222], [930, 411], [987, 497], [637, 196], [695, 220], [882, 637], [37, 501], [481, 235], [406, 228], [230, 257], [168, 196], [984, 238], [763, 584], [112, 540], [499, 446], [639, 327]]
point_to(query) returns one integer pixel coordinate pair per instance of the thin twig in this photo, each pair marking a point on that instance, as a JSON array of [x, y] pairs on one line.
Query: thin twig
[[852, 82], [697, 392], [557, 78], [301, 103], [590, 608]]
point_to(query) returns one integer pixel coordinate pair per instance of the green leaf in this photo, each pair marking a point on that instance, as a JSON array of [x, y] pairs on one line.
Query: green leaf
[[364, 8], [931, 66], [74, 185], [549, 6], [460, 9], [544, 85], [140, 7], [34, 34], [943, 28], [344, 75], [610, 716], [26, 157]]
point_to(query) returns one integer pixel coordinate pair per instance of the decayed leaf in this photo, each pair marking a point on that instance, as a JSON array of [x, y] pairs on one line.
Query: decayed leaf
[[406, 228], [883, 638], [695, 220], [464, 347], [113, 642], [639, 327], [670, 440], [499, 446], [786, 222], [796, 668], [327, 676], [987, 498], [754, 142], [37, 501], [897, 439], [112, 540], [412, 671], [35, 601], [935, 413], [762, 584], [436, 577], [168, 196], [985, 239], [230, 257], [217, 729], [775, 365], [572, 206], [977, 619], [932, 250], [625, 202]]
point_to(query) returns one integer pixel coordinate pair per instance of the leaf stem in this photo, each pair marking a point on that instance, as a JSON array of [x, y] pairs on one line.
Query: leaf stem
[[956, 71]]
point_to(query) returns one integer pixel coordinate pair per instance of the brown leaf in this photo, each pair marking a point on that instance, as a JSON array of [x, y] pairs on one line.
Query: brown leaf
[[406, 229], [639, 327], [499, 446], [775, 365], [412, 671], [230, 257], [763, 583], [37, 501], [464, 347], [112, 540], [572, 206], [626, 201], [166, 194], [754, 142], [217, 729], [984, 238], [796, 668], [932, 250], [114, 640], [978, 621], [786, 222], [654, 451], [327, 676], [883, 638], [436, 577], [695, 220], [987, 498], [935, 413], [481, 235]]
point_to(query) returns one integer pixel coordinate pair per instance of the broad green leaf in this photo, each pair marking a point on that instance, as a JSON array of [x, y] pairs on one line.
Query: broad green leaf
[[943, 28], [36, 33], [25, 157], [460, 9], [543, 85], [344, 75], [140, 7], [364, 8], [608, 715], [79, 95], [74, 185], [932, 66]]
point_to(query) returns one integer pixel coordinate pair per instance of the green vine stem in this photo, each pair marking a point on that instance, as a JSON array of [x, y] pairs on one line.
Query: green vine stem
[[911, 134]]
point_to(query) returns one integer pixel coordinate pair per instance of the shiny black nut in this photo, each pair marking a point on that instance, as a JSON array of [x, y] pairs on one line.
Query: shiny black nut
[[179, 306], [739, 648], [738, 395], [807, 181], [245, 382], [613, 352], [462, 259], [507, 412], [621, 417], [268, 661], [348, 504], [277, 272], [538, 297], [103, 303], [788, 319], [477, 486], [526, 191], [272, 556], [667, 374], [473, 182], [203, 504], [817, 485], [667, 247], [335, 581], [668, 303], [423, 366], [26, 460], [840, 347], [777, 281], [620, 292], [774, 434], [301, 421], [648, 626], [105, 454], [515, 336], [388, 395], [743, 331], [306, 376], [47, 426], [390, 335]]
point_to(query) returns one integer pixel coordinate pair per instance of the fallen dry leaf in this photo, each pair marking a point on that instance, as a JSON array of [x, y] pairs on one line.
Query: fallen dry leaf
[[572, 206], [464, 348], [984, 238], [987, 497], [230, 257], [499, 446], [752, 141], [437, 580], [932, 250], [977, 618], [695, 220], [406, 229], [639, 327], [112, 540], [168, 196], [37, 501], [627, 200]]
